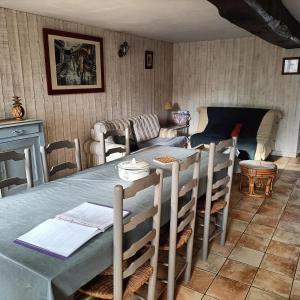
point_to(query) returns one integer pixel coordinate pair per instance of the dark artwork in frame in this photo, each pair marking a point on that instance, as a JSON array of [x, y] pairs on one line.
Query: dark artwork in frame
[[148, 59], [291, 66], [74, 62]]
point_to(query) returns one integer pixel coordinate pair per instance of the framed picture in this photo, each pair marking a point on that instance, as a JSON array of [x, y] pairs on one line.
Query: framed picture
[[148, 59], [74, 62], [291, 65]]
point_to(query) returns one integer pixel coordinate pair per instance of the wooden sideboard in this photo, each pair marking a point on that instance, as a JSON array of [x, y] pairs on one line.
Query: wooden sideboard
[[17, 135]]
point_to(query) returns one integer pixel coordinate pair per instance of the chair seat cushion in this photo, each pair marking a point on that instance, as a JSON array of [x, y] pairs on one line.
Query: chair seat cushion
[[178, 141], [182, 238], [101, 287]]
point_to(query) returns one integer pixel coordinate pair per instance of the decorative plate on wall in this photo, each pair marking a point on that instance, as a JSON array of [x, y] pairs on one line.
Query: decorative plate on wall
[[74, 62]]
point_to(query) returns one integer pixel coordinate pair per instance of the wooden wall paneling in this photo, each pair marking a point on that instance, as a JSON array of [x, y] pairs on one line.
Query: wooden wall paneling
[[15, 54], [25, 58], [5, 68], [130, 89], [35, 57], [238, 72]]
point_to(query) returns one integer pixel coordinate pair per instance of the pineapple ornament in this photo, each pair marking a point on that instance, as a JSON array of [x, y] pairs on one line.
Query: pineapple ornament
[[17, 110]]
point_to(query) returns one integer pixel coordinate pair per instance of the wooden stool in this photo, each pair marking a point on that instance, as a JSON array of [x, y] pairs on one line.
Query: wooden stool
[[260, 175]]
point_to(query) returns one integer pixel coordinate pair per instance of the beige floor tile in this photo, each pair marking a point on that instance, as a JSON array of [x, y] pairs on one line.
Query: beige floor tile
[[291, 216], [238, 271], [241, 215], [226, 289], [249, 204], [200, 280], [284, 250], [184, 293], [254, 242], [271, 221], [287, 237], [213, 264], [289, 226], [257, 294], [279, 265], [273, 282], [237, 225], [297, 275], [232, 238], [206, 297], [268, 209], [295, 293], [247, 256], [258, 230]]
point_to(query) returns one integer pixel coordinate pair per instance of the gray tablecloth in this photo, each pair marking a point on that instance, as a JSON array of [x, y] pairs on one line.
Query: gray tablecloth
[[29, 275]]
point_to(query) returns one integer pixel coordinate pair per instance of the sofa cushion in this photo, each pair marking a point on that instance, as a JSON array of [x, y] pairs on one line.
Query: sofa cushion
[[145, 127], [200, 138], [178, 141], [104, 126], [218, 130]]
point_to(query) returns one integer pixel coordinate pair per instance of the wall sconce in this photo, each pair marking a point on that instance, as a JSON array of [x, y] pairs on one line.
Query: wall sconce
[[123, 49]]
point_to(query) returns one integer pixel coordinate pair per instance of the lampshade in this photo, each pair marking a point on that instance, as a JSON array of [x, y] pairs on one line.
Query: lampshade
[[168, 105]]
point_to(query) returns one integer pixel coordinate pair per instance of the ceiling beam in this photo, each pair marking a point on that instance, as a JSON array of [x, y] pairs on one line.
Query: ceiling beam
[[267, 19]]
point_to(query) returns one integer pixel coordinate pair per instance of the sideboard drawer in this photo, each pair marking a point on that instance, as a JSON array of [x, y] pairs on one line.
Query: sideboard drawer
[[18, 131]]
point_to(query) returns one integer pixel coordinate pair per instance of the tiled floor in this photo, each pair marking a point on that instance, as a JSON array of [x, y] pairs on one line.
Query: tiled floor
[[260, 260]]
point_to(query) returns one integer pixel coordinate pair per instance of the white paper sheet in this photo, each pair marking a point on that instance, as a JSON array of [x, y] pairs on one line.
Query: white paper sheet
[[90, 214], [58, 236]]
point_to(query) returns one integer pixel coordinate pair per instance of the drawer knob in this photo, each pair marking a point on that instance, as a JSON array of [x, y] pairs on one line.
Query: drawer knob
[[17, 132]]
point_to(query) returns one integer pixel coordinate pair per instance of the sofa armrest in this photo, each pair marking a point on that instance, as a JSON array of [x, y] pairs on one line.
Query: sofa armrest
[[167, 133]]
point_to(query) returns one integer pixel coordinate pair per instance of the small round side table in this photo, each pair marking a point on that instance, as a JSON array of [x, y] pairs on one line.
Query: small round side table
[[259, 176]]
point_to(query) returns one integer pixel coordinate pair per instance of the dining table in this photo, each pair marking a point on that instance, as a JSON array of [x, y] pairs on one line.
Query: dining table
[[30, 275]]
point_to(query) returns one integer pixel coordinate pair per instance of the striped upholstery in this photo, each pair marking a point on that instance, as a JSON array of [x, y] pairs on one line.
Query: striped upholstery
[[104, 126], [145, 127]]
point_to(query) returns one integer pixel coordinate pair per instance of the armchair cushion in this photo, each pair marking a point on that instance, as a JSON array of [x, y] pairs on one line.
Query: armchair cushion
[[145, 127], [167, 133]]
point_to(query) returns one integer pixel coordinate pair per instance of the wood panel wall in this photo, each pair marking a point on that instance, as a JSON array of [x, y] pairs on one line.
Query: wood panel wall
[[130, 89], [238, 72]]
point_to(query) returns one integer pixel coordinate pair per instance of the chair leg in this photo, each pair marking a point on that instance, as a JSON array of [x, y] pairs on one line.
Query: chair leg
[[171, 272], [189, 258], [224, 224], [205, 236]]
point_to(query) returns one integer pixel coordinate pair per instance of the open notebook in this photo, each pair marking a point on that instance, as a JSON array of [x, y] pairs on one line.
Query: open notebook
[[61, 236]]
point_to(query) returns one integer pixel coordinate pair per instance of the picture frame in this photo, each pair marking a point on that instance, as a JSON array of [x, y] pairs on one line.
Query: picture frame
[[74, 62], [148, 59], [290, 66]]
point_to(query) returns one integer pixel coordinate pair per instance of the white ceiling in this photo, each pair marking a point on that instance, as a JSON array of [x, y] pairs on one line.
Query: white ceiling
[[169, 20]]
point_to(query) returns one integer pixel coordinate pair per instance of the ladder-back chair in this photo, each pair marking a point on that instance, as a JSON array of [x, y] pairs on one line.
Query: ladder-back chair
[[218, 191], [137, 265], [182, 221], [112, 133], [46, 150], [12, 155]]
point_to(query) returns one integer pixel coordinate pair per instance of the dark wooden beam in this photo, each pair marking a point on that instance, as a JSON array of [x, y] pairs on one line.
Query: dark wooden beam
[[267, 19]]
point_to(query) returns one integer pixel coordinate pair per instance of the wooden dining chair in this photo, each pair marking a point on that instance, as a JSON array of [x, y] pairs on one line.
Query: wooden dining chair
[[45, 150], [111, 133], [182, 220], [137, 265], [12, 155], [218, 192]]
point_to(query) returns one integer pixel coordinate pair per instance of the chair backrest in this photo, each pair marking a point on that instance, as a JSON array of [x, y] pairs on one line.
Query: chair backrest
[[12, 155], [111, 133], [222, 187], [187, 213], [149, 242], [185, 217], [45, 150]]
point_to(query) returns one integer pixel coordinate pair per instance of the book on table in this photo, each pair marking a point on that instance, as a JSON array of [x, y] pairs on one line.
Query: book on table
[[63, 235]]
